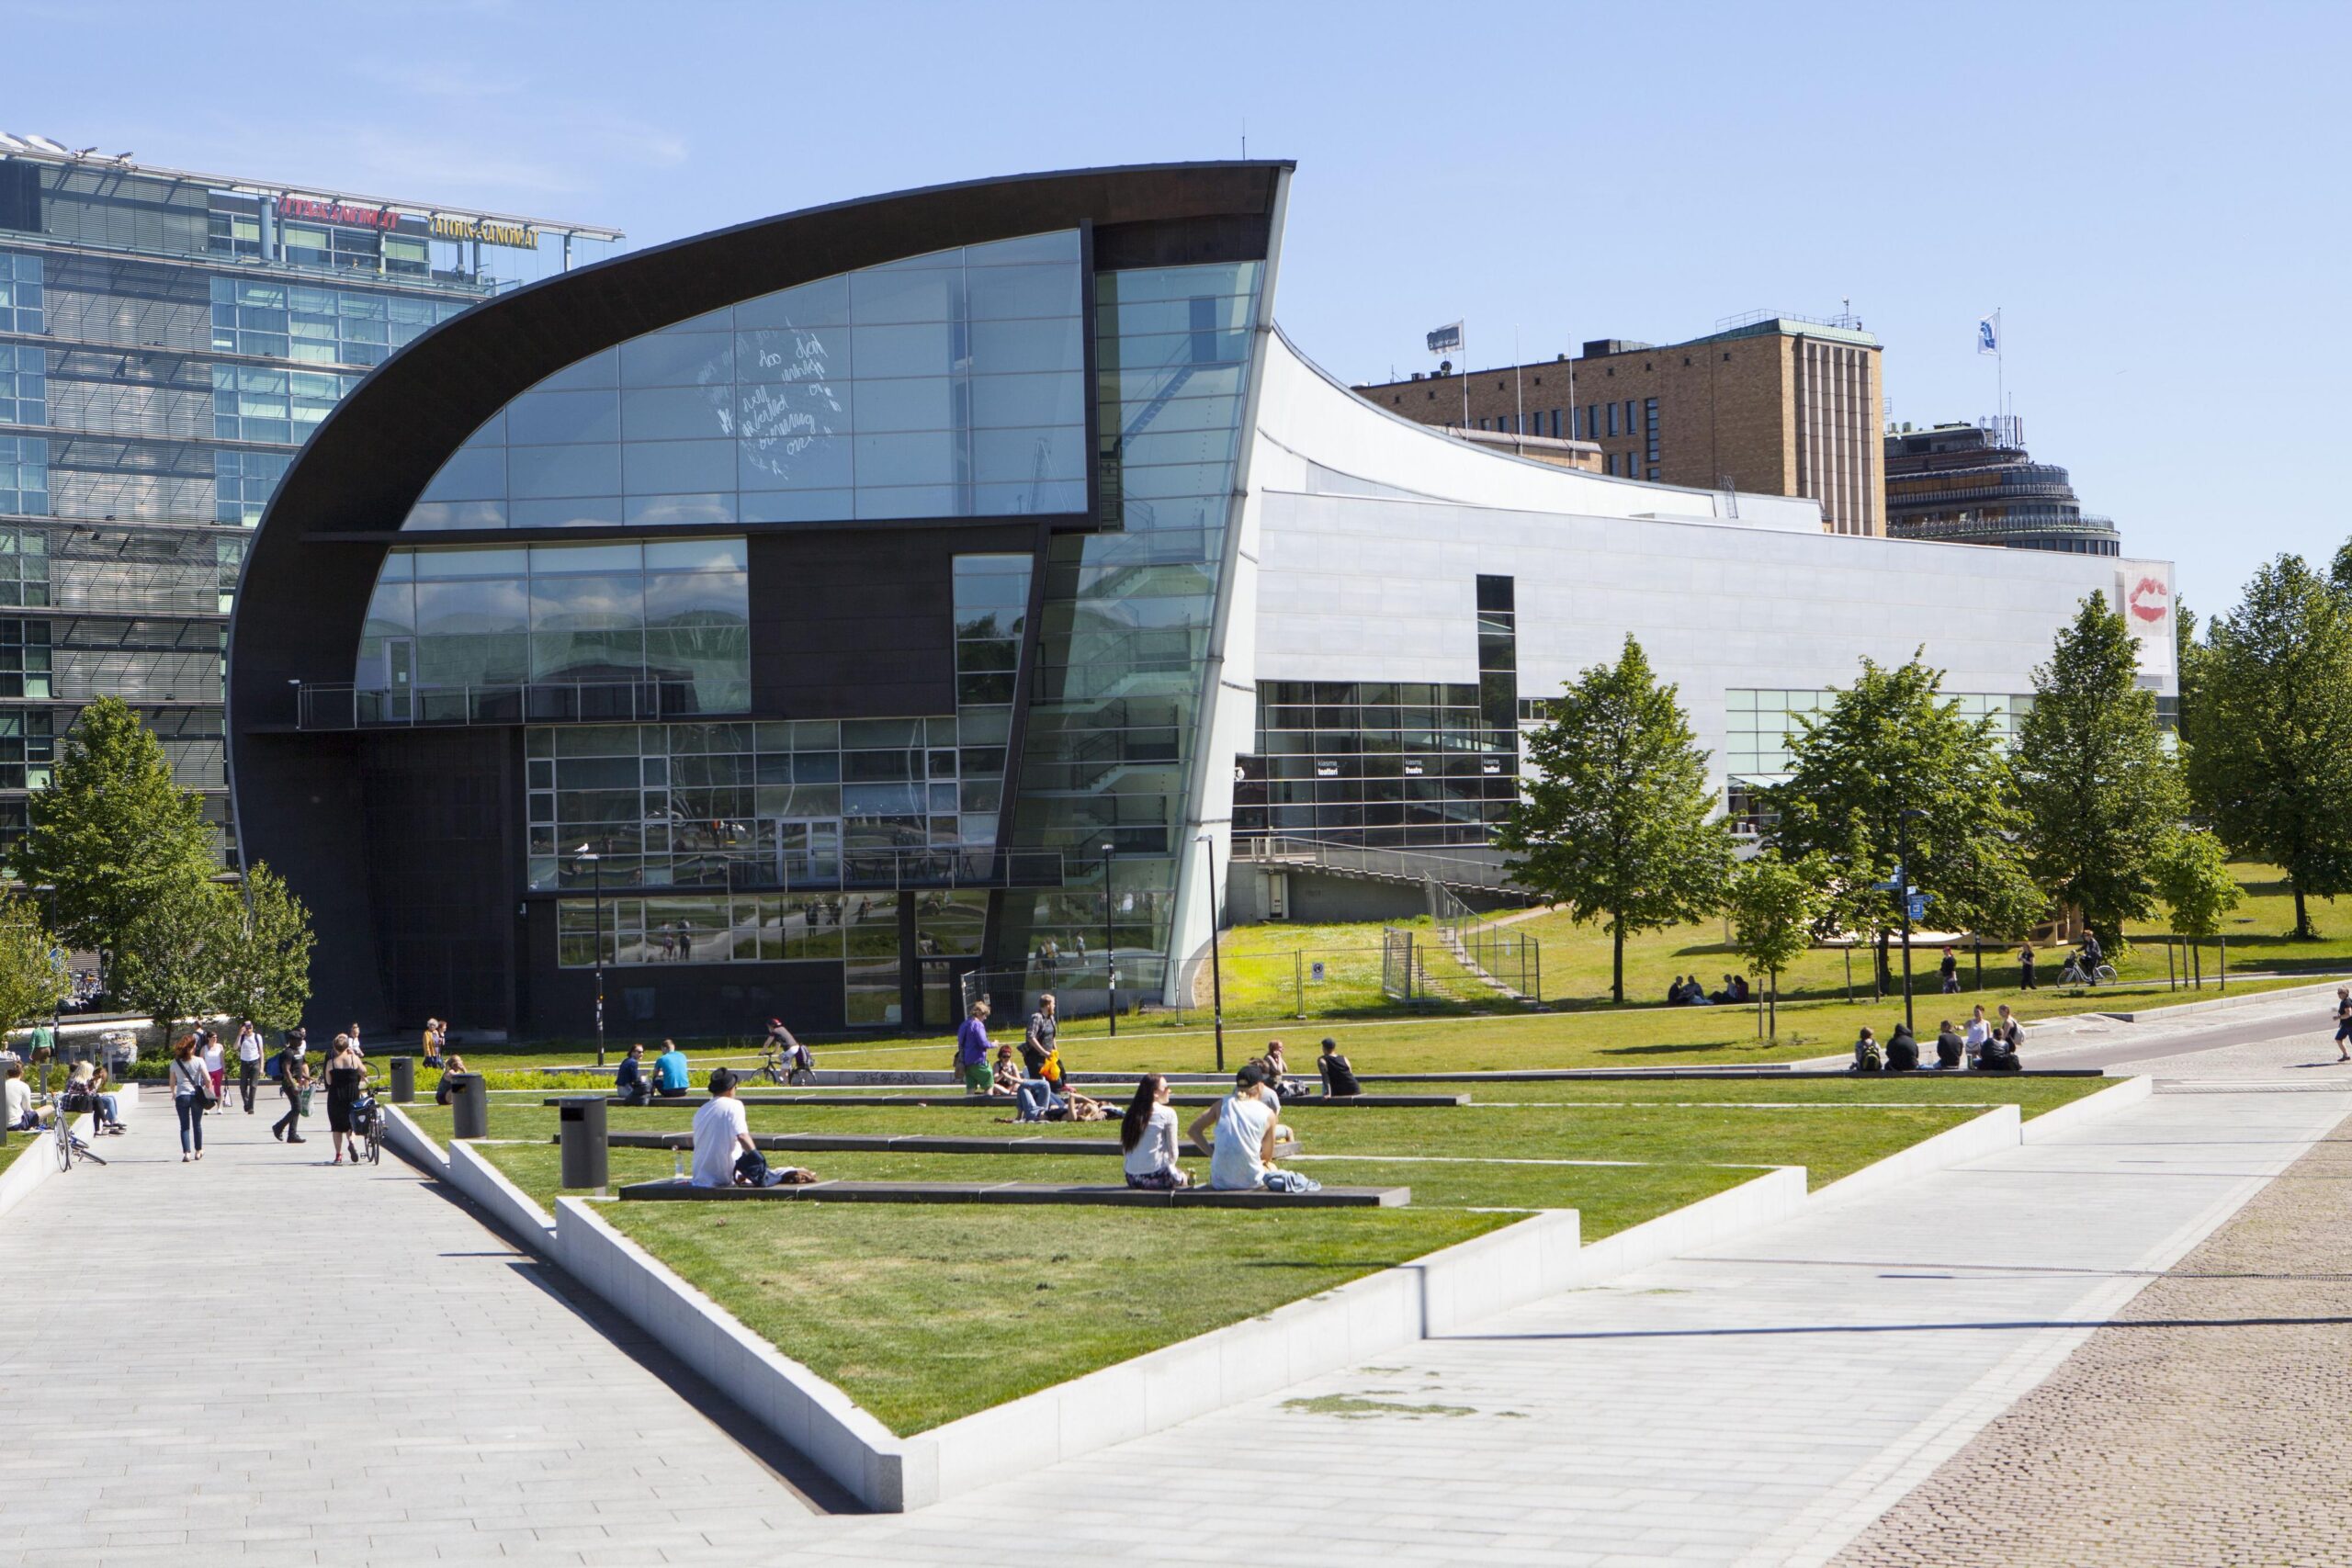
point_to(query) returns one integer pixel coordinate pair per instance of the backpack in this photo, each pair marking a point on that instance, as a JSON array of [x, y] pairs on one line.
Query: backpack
[[1870, 1056], [273, 1064]]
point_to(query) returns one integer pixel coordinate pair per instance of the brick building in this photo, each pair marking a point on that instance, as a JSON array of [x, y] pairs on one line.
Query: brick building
[[1780, 405]]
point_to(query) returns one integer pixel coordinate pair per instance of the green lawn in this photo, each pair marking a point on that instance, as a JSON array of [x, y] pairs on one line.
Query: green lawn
[[17, 1143], [924, 1315]]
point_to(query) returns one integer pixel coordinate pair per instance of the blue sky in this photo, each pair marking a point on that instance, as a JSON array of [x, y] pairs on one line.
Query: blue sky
[[2154, 194]]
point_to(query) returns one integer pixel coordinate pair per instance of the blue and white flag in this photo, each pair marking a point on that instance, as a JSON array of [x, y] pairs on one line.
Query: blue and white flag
[[1989, 334]]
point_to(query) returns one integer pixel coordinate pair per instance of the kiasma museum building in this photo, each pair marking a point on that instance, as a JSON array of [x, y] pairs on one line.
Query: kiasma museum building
[[805, 615]]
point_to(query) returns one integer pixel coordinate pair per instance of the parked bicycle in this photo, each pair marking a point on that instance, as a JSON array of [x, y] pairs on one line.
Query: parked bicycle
[[63, 1108]]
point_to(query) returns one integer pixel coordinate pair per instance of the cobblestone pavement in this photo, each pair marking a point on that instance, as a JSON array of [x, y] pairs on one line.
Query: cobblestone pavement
[[2210, 1425]]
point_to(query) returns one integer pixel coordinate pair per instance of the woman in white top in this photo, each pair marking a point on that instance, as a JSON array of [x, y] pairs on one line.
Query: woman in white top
[[216, 1063], [1979, 1032], [1147, 1137], [249, 1055], [190, 1084]]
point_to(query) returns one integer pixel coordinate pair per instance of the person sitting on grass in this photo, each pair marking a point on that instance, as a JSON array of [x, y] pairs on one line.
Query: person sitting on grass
[[1870, 1056], [1674, 993], [1041, 1098], [1244, 1126], [724, 1151], [670, 1070], [1006, 1079], [1902, 1050], [1950, 1049], [1148, 1137], [16, 1102], [1278, 1077], [1339, 1077], [629, 1082]]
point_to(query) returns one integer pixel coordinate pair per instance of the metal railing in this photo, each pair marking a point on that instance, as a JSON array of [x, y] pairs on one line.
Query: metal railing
[[1512, 960], [344, 706], [1402, 866]]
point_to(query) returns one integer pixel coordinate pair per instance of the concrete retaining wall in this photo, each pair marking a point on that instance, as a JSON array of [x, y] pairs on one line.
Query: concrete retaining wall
[[2120, 1096], [516, 1211], [1995, 1130], [409, 1142]]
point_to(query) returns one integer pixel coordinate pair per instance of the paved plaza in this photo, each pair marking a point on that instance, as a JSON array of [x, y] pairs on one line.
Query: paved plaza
[[276, 1363]]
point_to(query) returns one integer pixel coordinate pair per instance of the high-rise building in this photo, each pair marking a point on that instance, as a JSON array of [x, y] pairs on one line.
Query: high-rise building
[[1773, 404], [167, 341], [1976, 484]]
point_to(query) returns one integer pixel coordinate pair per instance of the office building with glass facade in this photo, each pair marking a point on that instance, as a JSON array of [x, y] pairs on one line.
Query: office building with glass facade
[[796, 619], [167, 341]]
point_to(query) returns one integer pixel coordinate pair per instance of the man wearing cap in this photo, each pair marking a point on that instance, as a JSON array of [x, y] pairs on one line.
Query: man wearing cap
[[722, 1136], [1241, 1158]]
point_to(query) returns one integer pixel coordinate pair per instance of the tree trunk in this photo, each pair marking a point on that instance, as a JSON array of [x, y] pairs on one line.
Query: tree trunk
[[1617, 959], [2303, 932], [1776, 1006]]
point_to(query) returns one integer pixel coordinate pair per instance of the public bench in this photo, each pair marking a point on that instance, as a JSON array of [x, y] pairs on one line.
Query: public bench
[[675, 1191], [1005, 1102], [885, 1143]]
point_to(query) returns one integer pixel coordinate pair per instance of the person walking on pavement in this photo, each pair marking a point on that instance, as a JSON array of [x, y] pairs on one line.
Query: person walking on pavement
[[190, 1089], [346, 1078], [216, 1063], [293, 1082], [2343, 1022], [249, 1054]]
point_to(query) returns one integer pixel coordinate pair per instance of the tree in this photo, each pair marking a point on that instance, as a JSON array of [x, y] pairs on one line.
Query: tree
[[1891, 760], [2191, 872], [2270, 764], [1774, 905], [2189, 658], [111, 830], [1616, 819], [266, 953], [2100, 795], [30, 980], [169, 960]]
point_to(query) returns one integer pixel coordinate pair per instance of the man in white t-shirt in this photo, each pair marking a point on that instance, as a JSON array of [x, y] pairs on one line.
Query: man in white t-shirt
[[1241, 1158], [722, 1134]]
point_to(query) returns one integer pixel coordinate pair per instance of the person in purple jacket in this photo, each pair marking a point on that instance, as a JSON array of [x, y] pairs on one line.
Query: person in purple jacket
[[972, 1049]]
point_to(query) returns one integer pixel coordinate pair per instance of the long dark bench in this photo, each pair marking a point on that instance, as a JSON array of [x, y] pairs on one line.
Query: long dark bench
[[1782, 1074], [1005, 1102], [674, 1191], [885, 1143]]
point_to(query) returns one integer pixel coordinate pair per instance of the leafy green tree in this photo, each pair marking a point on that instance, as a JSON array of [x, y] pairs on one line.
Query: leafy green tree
[[169, 960], [111, 830], [31, 983], [2270, 764], [2339, 571], [2100, 793], [266, 953], [2191, 872], [1892, 759], [1617, 821], [1774, 905], [2188, 659]]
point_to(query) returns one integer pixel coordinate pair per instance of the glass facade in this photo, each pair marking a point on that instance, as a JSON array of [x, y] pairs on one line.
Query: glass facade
[[1391, 765], [1116, 699], [312, 324], [673, 614], [1759, 725], [947, 385]]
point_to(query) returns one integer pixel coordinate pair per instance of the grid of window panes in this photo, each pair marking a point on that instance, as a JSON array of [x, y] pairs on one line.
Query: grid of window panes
[[242, 484], [1115, 697], [678, 804], [316, 325], [1760, 725], [24, 475], [992, 607], [25, 655], [676, 612], [1499, 654], [27, 750], [21, 303], [273, 405], [24, 385], [946, 385], [1387, 764], [24, 567]]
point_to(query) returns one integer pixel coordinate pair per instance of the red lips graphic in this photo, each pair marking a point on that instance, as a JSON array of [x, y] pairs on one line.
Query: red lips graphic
[[2150, 599]]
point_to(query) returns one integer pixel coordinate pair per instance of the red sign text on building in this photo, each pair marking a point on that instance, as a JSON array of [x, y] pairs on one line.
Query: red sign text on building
[[336, 212]]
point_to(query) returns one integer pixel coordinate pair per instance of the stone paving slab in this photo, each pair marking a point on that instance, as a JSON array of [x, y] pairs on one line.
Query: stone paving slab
[[2208, 1425]]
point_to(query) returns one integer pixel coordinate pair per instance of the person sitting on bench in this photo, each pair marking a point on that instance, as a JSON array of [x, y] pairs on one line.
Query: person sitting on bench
[[670, 1070], [1902, 1050], [630, 1081], [2001, 1051], [1245, 1122], [723, 1143], [1950, 1049], [1005, 1080], [1870, 1056], [1147, 1138], [1979, 1032], [1278, 1077], [17, 1096], [1339, 1077]]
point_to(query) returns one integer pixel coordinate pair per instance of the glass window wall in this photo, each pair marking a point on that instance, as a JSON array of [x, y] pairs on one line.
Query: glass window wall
[[945, 385]]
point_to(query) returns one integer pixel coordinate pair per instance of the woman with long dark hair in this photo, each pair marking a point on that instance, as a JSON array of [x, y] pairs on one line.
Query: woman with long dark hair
[[1147, 1137]]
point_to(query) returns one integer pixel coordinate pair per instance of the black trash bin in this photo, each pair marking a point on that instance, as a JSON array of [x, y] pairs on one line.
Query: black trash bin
[[404, 1080], [587, 1162], [468, 1105]]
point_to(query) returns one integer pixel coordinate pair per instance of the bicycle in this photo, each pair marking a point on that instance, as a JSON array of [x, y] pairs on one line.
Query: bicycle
[[772, 1069], [367, 1121], [69, 1147]]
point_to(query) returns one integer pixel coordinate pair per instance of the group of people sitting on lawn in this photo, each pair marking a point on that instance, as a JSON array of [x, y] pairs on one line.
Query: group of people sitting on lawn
[[641, 1082], [1985, 1045], [1690, 993]]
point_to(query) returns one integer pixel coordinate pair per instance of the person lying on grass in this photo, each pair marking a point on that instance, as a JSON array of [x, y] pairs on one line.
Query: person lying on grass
[[1244, 1126], [1147, 1138]]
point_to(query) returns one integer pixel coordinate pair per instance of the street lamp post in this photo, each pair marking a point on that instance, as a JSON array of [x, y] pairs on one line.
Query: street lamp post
[[1110, 946], [1217, 977], [1903, 891], [597, 868]]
